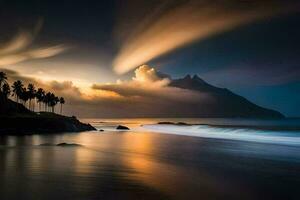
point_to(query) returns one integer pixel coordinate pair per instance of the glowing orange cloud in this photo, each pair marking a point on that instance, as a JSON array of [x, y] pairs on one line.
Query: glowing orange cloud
[[188, 22]]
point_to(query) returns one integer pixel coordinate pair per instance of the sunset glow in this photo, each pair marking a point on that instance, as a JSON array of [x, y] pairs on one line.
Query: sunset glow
[[149, 99], [140, 55]]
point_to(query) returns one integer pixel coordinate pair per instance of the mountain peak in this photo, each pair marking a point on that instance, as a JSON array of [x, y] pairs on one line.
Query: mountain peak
[[198, 79], [193, 83], [195, 79], [220, 102], [187, 77]]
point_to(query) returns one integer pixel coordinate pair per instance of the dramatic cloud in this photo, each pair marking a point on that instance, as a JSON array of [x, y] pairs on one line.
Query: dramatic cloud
[[18, 49], [147, 83], [144, 74], [174, 25], [148, 94]]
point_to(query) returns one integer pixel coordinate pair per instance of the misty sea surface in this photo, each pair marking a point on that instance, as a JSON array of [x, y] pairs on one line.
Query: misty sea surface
[[203, 159]]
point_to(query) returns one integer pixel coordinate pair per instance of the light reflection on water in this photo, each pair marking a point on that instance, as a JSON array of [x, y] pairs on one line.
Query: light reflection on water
[[137, 165]]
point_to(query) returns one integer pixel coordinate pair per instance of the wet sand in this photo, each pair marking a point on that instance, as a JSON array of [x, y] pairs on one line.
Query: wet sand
[[132, 165]]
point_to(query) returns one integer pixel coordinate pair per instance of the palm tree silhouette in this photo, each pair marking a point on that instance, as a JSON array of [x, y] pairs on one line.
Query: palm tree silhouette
[[31, 95], [24, 96], [56, 100], [5, 90], [17, 89], [46, 101], [61, 101], [53, 100], [3, 79], [40, 94]]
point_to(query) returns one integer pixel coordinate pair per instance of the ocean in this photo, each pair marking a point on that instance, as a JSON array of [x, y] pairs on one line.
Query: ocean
[[202, 159], [280, 131]]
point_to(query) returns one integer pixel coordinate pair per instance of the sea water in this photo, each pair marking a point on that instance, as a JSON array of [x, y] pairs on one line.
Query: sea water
[[152, 161], [280, 131]]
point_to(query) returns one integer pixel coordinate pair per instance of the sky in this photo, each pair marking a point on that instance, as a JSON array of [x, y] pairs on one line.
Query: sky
[[106, 57]]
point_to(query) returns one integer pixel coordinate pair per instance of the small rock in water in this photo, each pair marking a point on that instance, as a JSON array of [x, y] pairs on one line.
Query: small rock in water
[[63, 144], [67, 144], [168, 123], [182, 124], [120, 127]]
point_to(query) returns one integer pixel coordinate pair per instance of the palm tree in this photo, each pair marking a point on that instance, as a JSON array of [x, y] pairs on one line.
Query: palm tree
[[56, 100], [40, 94], [3, 78], [31, 95], [46, 100], [5, 90], [17, 89], [53, 101], [24, 96], [61, 101]]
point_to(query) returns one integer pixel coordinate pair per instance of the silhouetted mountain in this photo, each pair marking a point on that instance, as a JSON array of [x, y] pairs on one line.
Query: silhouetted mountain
[[224, 104]]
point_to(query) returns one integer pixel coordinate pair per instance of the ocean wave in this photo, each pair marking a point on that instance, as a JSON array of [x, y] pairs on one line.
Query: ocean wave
[[230, 133]]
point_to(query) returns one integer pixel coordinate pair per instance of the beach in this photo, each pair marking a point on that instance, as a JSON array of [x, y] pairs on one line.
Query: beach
[[140, 164]]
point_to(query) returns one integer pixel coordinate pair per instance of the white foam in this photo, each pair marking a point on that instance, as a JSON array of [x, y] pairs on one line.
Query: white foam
[[275, 137]]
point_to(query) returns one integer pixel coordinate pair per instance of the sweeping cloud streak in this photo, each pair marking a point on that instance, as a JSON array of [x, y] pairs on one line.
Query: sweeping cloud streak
[[18, 49], [178, 25], [19, 42]]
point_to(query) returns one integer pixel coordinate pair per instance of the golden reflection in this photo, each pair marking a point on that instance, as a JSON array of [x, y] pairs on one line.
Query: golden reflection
[[153, 169], [163, 177], [148, 171], [85, 158], [142, 144]]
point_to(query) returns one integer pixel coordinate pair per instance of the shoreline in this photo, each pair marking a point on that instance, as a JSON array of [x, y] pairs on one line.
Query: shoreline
[[164, 167]]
